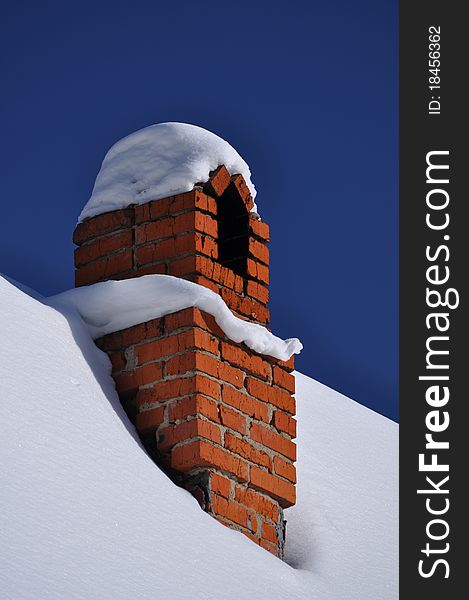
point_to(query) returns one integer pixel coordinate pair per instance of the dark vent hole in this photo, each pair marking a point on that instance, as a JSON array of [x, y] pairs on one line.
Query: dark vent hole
[[233, 231]]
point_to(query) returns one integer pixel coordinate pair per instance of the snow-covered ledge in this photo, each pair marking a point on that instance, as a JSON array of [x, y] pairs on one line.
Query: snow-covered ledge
[[110, 306]]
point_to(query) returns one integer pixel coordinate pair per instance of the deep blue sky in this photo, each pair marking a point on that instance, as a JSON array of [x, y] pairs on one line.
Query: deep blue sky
[[307, 93]]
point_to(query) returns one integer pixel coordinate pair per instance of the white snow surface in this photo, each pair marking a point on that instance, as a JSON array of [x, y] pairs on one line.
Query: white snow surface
[[158, 161], [85, 513], [114, 305], [344, 527]]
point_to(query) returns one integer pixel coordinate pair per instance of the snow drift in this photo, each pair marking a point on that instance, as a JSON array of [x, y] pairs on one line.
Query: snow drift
[[158, 161], [114, 305], [85, 513]]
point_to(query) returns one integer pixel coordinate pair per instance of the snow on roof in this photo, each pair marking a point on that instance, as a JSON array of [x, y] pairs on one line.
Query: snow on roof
[[158, 161], [85, 513], [344, 527], [114, 305]]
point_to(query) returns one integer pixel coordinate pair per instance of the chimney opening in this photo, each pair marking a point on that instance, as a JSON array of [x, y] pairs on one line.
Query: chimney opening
[[233, 231]]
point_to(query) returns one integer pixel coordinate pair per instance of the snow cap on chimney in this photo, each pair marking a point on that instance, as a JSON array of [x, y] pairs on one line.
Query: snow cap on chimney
[[159, 161]]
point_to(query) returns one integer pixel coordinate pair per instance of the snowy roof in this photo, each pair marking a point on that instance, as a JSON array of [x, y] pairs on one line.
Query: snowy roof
[[85, 513], [159, 161]]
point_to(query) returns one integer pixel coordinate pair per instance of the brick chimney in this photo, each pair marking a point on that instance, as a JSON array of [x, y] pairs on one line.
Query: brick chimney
[[215, 415]]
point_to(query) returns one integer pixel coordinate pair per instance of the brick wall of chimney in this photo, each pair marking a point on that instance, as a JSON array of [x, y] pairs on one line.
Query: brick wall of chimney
[[218, 417]]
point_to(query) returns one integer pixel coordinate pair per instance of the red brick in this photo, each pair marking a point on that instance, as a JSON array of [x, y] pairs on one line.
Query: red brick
[[246, 450], [102, 224], [192, 317], [259, 251], [205, 245], [228, 278], [245, 404], [257, 270], [152, 253], [259, 228], [148, 421], [193, 405], [188, 242], [112, 341], [230, 375], [172, 435], [246, 306], [164, 207], [246, 360], [193, 199], [203, 454], [285, 423], [258, 502], [258, 291], [269, 533], [132, 335], [163, 347], [206, 224], [182, 318], [142, 212], [164, 228], [184, 266], [156, 251], [104, 268], [173, 225], [102, 246], [225, 372], [234, 512], [267, 393], [208, 322], [220, 485], [272, 440], [243, 190], [233, 420], [196, 361], [284, 469], [179, 342], [177, 246], [255, 311], [211, 285], [272, 548], [231, 299], [219, 181], [205, 202], [153, 328], [203, 340], [132, 380], [286, 365], [201, 265], [153, 210], [117, 360], [284, 379], [278, 488], [177, 388], [188, 362]]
